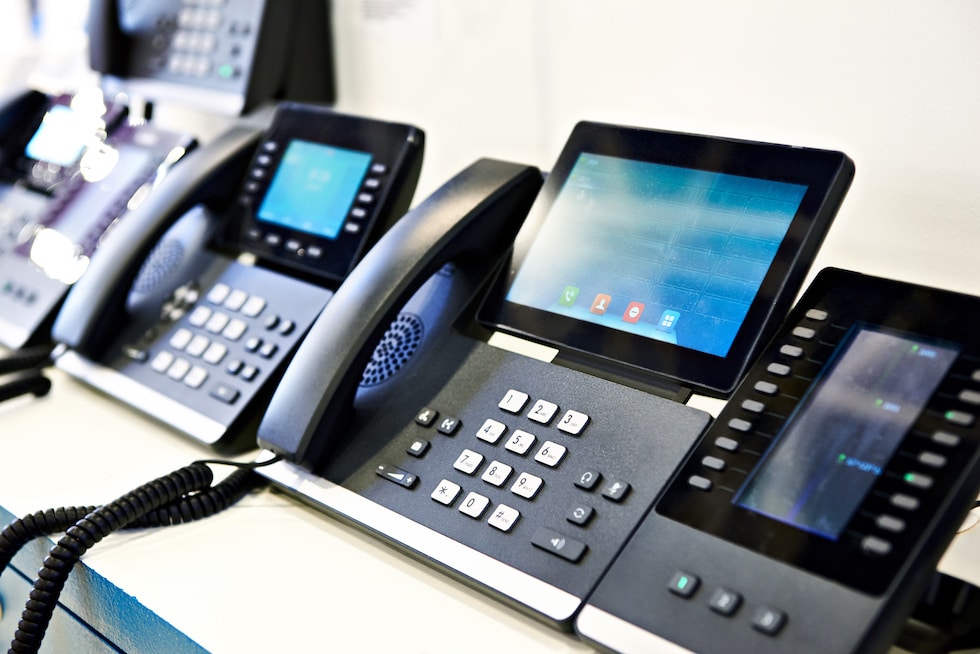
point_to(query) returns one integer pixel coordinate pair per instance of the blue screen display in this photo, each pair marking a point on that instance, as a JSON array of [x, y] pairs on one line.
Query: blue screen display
[[314, 187], [846, 430], [668, 253], [61, 137]]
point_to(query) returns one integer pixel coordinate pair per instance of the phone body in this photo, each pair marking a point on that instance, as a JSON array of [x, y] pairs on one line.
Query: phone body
[[200, 298], [524, 477], [73, 167], [811, 515], [225, 57]]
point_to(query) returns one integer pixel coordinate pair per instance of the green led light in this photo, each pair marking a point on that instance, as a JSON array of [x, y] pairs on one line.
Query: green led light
[[841, 458], [909, 477], [682, 583], [226, 71]]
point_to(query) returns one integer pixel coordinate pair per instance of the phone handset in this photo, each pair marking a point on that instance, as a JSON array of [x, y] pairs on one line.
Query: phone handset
[[95, 307], [472, 218]]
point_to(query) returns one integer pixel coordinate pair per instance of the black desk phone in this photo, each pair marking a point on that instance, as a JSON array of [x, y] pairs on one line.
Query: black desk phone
[[71, 166], [811, 514], [225, 57], [173, 320], [654, 258]]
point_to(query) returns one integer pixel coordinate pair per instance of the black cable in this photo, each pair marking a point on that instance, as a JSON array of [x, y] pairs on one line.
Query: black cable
[[186, 509], [87, 532], [34, 383], [28, 358], [31, 361]]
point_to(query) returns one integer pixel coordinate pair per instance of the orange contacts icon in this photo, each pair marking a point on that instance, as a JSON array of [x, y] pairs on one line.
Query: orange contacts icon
[[600, 303]]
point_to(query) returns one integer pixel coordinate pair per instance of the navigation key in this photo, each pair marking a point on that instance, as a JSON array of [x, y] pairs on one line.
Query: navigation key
[[396, 475]]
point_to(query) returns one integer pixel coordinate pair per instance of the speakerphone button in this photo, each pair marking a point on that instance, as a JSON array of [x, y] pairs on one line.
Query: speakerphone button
[[558, 544]]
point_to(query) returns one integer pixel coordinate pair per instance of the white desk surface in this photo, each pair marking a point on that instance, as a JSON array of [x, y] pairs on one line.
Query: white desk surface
[[269, 574]]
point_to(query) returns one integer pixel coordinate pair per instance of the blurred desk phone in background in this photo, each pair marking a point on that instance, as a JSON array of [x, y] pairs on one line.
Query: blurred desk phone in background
[[70, 167], [224, 57], [173, 321]]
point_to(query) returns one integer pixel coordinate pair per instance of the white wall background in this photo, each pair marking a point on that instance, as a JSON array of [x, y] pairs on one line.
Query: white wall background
[[894, 83]]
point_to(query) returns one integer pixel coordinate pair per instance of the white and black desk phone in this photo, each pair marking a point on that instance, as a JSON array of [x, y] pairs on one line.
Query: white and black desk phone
[[70, 166], [813, 512], [173, 321], [662, 261]]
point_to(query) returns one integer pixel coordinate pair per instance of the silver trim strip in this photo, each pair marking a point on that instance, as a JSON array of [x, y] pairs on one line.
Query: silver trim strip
[[554, 603], [199, 97], [147, 400], [609, 631]]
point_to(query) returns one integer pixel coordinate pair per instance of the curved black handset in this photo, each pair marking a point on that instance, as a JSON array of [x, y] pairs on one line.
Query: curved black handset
[[472, 217], [109, 46], [97, 302]]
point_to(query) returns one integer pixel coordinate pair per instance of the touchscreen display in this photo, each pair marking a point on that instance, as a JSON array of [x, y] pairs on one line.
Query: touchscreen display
[[60, 138], [843, 434], [659, 251], [314, 187]]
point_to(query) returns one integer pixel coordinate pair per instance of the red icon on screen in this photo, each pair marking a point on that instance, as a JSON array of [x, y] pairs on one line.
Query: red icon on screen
[[633, 312]]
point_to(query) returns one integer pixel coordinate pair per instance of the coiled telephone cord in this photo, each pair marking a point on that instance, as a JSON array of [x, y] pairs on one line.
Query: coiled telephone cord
[[186, 509], [87, 532]]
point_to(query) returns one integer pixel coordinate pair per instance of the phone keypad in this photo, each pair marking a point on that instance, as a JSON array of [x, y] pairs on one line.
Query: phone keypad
[[508, 465], [229, 338]]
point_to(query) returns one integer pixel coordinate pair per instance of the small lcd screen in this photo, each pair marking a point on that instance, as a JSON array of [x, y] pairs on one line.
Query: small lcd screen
[[314, 187], [61, 137], [664, 252], [846, 429]]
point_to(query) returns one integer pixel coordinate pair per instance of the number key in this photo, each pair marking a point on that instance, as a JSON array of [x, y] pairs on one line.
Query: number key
[[468, 462], [497, 473], [550, 454], [527, 485], [520, 442], [542, 412]]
